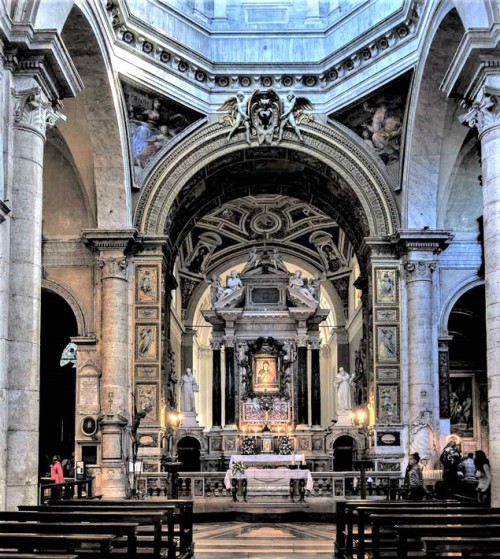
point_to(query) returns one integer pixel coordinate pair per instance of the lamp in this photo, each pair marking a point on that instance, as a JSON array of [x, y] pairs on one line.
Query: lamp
[[174, 422]]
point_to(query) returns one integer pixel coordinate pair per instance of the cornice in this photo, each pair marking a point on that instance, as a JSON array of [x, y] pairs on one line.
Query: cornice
[[135, 37], [111, 239], [428, 240], [45, 53]]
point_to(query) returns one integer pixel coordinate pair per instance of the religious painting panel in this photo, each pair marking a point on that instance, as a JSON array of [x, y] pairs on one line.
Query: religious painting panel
[[388, 403], [386, 286], [387, 340], [146, 397], [146, 342], [146, 284], [463, 405], [265, 373]]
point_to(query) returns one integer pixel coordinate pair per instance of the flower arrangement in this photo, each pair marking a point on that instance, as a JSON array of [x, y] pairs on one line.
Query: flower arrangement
[[284, 445], [238, 468], [247, 446]]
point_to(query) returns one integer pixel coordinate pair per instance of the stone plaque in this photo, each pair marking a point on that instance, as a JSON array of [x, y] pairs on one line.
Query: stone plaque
[[387, 315], [265, 295], [146, 313], [387, 374], [111, 446], [88, 395]]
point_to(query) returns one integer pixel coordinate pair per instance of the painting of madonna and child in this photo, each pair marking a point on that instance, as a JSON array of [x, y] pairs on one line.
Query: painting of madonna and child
[[265, 373]]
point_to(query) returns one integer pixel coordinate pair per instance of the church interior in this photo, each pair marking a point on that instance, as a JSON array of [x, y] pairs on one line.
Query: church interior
[[249, 249]]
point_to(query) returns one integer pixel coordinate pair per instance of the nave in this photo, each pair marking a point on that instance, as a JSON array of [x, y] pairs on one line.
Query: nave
[[244, 540]]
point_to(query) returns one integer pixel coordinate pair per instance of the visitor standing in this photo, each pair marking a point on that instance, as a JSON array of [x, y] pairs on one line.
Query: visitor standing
[[483, 474]]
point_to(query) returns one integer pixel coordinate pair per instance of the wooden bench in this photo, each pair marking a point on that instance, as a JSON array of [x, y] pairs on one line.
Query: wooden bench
[[410, 536], [182, 515], [467, 547], [345, 510], [384, 533], [120, 530], [16, 555], [154, 520], [29, 541]]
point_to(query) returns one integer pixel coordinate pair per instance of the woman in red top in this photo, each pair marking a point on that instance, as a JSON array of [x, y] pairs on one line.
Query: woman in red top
[[56, 471]]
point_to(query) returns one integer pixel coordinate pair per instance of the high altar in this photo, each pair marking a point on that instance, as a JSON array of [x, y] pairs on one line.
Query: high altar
[[266, 318]]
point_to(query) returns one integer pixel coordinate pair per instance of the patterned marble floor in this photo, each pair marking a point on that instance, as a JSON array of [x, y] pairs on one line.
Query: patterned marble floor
[[241, 540]]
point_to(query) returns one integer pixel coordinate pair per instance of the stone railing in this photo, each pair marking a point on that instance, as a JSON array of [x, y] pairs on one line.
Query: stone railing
[[210, 485]]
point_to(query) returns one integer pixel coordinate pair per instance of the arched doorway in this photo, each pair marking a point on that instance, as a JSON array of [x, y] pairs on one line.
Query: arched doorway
[[343, 449], [188, 452], [57, 384]]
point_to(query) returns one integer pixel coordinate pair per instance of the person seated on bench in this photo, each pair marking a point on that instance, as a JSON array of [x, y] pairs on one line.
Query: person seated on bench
[[483, 474], [415, 478]]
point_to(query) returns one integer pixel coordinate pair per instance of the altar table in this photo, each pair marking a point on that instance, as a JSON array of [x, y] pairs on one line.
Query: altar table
[[267, 459], [303, 477]]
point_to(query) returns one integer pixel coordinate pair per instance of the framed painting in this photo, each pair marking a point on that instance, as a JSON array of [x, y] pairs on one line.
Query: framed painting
[[463, 405], [265, 373]]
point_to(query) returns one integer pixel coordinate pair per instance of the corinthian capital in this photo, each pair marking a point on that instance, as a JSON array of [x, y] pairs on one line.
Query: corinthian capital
[[114, 267], [419, 270], [32, 108], [484, 113]]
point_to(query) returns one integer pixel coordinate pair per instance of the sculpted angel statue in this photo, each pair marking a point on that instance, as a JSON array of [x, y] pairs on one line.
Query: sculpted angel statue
[[293, 109], [238, 114]]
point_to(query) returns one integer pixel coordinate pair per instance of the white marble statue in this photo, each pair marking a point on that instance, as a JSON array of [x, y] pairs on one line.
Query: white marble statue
[[188, 388], [232, 284], [297, 283], [343, 384]]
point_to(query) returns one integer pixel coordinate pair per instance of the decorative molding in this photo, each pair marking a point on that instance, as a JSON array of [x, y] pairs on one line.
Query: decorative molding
[[427, 240], [216, 344], [110, 239], [485, 113]]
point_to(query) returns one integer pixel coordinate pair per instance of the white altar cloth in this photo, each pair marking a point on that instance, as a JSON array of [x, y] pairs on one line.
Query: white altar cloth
[[270, 476], [267, 459]]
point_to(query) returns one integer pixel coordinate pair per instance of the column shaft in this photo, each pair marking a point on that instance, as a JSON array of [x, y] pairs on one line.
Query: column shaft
[[24, 318], [230, 397], [420, 338], [315, 387], [302, 389], [216, 388], [490, 149]]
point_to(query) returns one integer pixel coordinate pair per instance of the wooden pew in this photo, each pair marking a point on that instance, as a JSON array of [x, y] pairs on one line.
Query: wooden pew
[[120, 530], [145, 518], [16, 555], [344, 510], [467, 547], [388, 522], [410, 536], [182, 516], [28, 541]]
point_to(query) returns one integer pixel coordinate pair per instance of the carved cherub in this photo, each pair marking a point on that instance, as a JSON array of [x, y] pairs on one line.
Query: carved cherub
[[293, 110], [238, 114]]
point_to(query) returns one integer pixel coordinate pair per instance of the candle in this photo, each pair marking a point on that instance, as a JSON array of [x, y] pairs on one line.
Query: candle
[[293, 459]]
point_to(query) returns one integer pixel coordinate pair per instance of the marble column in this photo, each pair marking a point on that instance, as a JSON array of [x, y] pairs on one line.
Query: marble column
[[419, 270], [315, 382], [302, 388], [485, 116], [115, 384], [33, 113], [216, 384], [230, 395]]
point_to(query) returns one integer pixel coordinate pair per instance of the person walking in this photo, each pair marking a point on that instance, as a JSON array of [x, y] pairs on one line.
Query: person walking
[[415, 478], [483, 474], [56, 471]]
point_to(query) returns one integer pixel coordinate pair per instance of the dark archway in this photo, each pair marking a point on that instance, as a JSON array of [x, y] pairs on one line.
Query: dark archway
[[188, 452], [57, 384], [343, 449]]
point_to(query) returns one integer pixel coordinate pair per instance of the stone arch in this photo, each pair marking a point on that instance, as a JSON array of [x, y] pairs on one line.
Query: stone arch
[[430, 114], [332, 145], [460, 289], [67, 295]]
